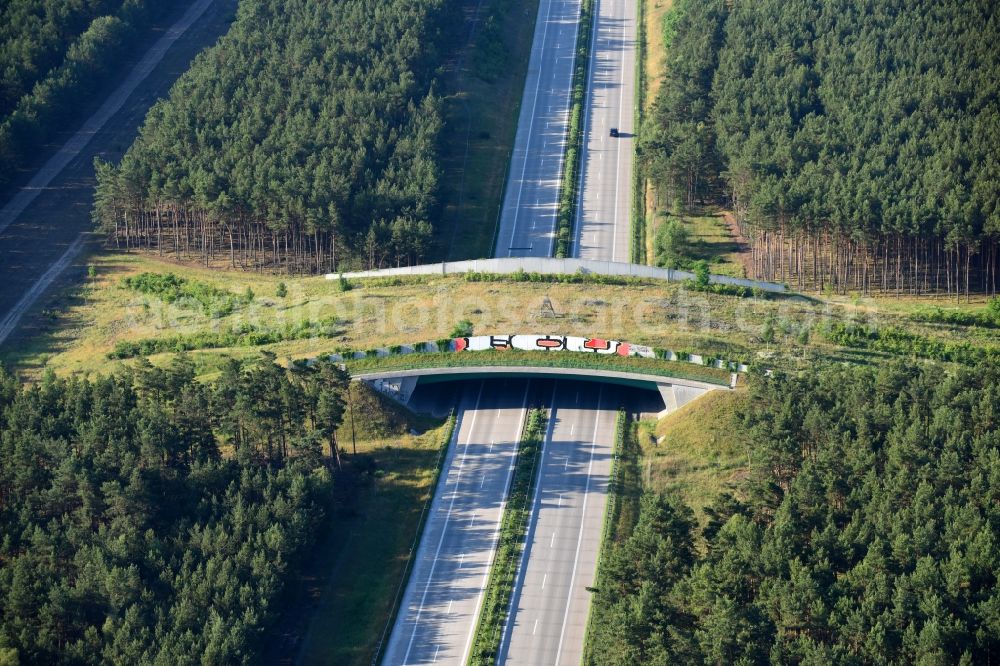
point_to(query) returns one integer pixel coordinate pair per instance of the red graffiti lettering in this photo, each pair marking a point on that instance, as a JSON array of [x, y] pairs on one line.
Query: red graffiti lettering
[[597, 344], [550, 343]]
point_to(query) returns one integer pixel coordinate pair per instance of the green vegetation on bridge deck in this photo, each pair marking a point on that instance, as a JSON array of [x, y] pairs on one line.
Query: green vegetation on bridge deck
[[77, 329], [516, 358]]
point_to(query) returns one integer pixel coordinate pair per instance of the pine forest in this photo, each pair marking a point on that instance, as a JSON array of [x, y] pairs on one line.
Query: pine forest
[[856, 142], [148, 517], [867, 533], [305, 140]]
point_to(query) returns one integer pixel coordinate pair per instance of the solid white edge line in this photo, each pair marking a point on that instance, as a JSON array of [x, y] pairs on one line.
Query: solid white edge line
[[618, 163], [496, 529], [531, 123], [444, 529], [583, 517], [532, 522]]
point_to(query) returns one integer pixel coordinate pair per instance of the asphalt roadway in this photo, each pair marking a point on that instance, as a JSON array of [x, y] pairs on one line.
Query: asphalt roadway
[[547, 622], [550, 606], [440, 606], [549, 609], [531, 197], [603, 229]]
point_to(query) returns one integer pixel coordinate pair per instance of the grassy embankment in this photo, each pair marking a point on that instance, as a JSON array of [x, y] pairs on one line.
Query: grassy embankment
[[482, 101], [697, 452], [620, 515], [75, 330], [344, 603], [653, 54]]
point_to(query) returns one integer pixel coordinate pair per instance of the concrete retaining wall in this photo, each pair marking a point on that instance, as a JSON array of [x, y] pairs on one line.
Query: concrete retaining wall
[[675, 393], [590, 373], [549, 266]]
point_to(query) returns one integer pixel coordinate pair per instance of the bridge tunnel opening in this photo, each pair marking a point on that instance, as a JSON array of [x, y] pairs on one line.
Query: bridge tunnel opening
[[439, 394]]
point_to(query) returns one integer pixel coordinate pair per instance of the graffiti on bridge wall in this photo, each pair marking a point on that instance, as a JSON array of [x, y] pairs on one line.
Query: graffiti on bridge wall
[[551, 343]]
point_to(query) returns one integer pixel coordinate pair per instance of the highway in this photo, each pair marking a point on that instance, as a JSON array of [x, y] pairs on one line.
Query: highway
[[440, 606], [548, 618], [531, 197], [603, 229], [550, 605]]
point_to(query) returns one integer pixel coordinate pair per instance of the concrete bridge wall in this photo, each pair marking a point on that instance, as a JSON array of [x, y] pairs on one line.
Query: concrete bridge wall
[[400, 384], [551, 266]]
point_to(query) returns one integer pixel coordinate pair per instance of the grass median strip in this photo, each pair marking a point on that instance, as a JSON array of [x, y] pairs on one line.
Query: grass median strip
[[575, 138], [503, 573]]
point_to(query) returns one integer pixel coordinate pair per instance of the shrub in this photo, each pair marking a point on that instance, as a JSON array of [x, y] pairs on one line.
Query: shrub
[[897, 341], [988, 318], [702, 276], [194, 294], [245, 335], [671, 243], [767, 334], [462, 329]]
